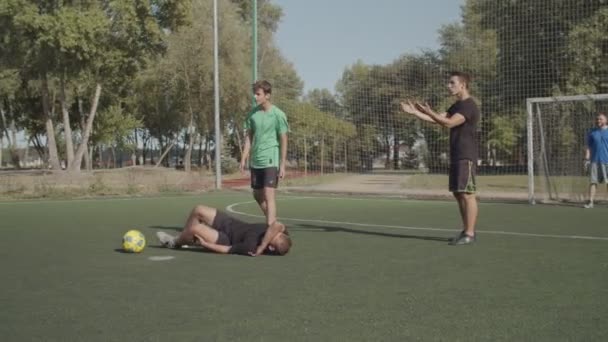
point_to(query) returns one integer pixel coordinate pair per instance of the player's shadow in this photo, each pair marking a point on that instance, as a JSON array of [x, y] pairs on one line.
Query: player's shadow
[[333, 229]]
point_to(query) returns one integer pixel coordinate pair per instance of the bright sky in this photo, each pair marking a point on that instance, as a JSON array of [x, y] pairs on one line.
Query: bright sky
[[322, 37]]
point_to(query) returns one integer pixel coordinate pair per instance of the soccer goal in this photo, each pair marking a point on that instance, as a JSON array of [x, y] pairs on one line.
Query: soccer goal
[[557, 129]]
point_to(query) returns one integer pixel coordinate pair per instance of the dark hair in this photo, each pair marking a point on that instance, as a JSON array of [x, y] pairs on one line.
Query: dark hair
[[602, 114], [264, 85], [463, 76]]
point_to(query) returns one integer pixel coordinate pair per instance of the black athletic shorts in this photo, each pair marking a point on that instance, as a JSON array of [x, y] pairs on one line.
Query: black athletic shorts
[[462, 176], [223, 224], [264, 178]]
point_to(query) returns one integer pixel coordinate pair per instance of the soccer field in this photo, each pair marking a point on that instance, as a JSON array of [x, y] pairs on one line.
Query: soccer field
[[361, 269]]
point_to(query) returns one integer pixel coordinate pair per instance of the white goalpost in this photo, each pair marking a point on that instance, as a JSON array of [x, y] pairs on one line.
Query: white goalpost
[[557, 128]]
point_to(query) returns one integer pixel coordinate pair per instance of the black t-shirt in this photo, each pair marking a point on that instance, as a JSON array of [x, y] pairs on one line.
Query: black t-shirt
[[245, 237], [463, 140]]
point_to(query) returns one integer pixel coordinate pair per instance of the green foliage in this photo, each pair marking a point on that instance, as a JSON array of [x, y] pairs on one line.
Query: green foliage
[[114, 127], [587, 42]]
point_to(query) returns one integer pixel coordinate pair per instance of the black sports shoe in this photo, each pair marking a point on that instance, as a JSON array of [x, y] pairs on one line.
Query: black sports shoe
[[463, 239]]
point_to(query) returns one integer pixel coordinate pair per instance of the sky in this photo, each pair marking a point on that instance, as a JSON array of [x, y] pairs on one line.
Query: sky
[[323, 37]]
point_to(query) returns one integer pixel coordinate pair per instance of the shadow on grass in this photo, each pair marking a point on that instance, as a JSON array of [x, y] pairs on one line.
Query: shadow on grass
[[333, 229], [330, 229]]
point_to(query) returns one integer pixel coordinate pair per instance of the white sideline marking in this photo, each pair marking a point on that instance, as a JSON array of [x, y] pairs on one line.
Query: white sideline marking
[[231, 209]]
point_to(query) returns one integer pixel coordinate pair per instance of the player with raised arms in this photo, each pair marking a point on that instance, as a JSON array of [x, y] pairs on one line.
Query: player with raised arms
[[461, 118]]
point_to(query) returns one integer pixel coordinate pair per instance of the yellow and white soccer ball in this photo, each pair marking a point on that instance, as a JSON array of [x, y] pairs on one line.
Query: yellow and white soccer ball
[[133, 241]]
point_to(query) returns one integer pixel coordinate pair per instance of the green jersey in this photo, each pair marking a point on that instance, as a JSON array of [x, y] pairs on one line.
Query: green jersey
[[266, 128]]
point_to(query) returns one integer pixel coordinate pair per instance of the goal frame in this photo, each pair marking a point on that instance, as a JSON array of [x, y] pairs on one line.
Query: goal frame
[[530, 103]]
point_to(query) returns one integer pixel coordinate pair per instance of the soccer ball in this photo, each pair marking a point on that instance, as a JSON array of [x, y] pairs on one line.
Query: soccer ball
[[133, 241]]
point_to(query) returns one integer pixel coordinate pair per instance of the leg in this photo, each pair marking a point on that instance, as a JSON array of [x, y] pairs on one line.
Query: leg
[[271, 205], [471, 213], [462, 208], [259, 196], [188, 234], [594, 177], [592, 190], [199, 222], [462, 185], [257, 184]]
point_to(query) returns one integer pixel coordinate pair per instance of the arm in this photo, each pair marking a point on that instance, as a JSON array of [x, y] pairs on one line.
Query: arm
[[283, 155], [409, 108], [442, 119], [271, 232], [214, 247], [246, 150]]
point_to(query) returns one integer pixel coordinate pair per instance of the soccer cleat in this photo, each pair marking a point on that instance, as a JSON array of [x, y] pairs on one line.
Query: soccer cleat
[[588, 205], [463, 239], [166, 240]]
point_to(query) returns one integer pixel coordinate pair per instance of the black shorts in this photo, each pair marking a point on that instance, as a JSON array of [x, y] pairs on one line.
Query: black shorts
[[223, 224], [264, 178], [462, 176]]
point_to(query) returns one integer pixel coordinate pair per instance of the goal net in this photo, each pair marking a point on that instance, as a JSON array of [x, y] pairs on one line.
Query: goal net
[[557, 138]]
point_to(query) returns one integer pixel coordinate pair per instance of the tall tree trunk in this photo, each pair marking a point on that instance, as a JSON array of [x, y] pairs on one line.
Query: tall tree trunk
[[387, 163], [67, 129], [1, 147], [396, 153], [101, 156], [134, 156], [188, 154], [88, 156], [13, 128], [39, 147], [87, 131], [10, 131], [305, 158], [200, 151], [207, 152], [144, 147], [322, 154], [333, 154], [113, 149], [162, 156], [50, 128], [345, 156]]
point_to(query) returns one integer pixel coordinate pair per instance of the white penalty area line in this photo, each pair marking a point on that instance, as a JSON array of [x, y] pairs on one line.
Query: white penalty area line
[[231, 209]]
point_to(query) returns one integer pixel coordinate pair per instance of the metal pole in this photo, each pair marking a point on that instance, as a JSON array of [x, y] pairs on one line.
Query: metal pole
[[216, 86], [254, 41], [530, 129]]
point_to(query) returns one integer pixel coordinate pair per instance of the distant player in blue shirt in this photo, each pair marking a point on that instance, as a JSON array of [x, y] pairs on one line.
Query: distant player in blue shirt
[[596, 156]]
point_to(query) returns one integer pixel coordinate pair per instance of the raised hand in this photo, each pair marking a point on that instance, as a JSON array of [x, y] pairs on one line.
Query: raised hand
[[408, 107], [425, 108]]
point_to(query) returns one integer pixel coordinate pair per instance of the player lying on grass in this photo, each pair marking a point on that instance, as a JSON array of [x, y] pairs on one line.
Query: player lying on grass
[[221, 233]]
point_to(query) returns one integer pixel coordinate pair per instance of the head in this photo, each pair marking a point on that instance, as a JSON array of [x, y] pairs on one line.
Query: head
[[459, 83], [262, 91], [601, 120], [281, 244]]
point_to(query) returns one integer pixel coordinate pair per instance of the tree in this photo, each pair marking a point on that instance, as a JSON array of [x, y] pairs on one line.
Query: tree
[[51, 40]]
